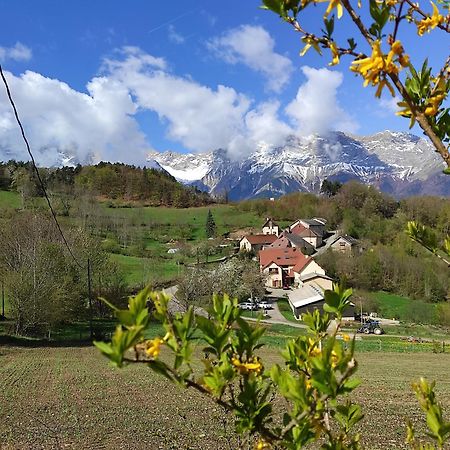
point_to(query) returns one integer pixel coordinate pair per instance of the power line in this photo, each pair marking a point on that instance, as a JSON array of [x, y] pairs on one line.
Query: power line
[[35, 167]]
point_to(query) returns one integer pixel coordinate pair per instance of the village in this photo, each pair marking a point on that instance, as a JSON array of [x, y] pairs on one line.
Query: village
[[286, 258]]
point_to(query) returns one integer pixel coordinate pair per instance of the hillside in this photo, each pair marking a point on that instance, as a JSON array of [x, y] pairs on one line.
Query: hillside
[[107, 181]]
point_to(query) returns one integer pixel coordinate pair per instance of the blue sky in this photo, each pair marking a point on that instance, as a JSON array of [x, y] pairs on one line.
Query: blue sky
[[115, 79]]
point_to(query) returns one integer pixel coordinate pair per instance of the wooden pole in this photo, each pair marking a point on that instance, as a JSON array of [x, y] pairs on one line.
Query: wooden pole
[[3, 299], [91, 331]]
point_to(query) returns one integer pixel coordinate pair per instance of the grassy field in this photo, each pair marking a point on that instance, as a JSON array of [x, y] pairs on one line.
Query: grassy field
[[10, 200], [79, 401], [395, 306], [141, 271], [227, 217]]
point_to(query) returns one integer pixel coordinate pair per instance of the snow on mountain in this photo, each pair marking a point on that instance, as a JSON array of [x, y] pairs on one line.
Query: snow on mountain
[[399, 163]]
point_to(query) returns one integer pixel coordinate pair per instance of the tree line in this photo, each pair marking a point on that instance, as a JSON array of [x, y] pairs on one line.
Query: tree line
[[109, 181]]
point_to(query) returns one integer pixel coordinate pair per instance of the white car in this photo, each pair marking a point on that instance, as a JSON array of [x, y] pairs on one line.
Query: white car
[[264, 304], [247, 306]]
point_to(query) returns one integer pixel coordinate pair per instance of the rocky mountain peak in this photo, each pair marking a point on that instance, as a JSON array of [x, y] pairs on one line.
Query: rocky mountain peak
[[399, 163]]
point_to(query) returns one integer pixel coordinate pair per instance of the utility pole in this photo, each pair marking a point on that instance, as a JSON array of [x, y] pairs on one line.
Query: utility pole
[[91, 331], [3, 300]]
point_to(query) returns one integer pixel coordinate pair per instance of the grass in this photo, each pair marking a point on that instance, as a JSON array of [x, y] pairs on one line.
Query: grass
[[396, 306], [141, 271], [227, 217], [80, 401], [285, 310], [10, 199]]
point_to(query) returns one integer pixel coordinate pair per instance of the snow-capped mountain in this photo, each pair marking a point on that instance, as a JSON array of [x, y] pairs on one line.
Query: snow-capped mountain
[[398, 163]]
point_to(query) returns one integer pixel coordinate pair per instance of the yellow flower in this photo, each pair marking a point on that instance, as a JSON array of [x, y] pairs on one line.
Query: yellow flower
[[335, 53], [430, 22], [333, 4], [433, 105], [397, 48], [253, 365], [153, 347], [334, 359], [346, 338], [314, 349], [374, 68], [308, 383], [391, 2], [384, 83], [403, 60], [262, 445]]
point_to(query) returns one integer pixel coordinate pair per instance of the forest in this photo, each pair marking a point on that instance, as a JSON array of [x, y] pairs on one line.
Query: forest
[[108, 181]]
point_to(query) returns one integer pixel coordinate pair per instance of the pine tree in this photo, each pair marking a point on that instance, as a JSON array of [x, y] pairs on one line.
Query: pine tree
[[210, 225]]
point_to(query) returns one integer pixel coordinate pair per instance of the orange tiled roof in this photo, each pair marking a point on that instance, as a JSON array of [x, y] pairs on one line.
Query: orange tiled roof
[[298, 228], [283, 257]]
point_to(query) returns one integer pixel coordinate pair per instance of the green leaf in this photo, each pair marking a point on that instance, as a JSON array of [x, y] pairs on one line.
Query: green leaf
[[274, 5], [105, 348], [159, 367]]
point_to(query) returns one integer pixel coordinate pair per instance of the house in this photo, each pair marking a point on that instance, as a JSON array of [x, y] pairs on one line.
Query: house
[[303, 268], [305, 298], [308, 297], [287, 239], [270, 227], [316, 224], [323, 281], [285, 266], [311, 230], [344, 244], [309, 235], [256, 242]]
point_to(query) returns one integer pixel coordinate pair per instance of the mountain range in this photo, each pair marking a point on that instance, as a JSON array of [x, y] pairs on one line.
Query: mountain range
[[400, 164]]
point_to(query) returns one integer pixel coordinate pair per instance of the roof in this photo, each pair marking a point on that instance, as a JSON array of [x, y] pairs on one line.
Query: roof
[[282, 257], [281, 242], [351, 240], [308, 232], [310, 276], [314, 222], [260, 238], [270, 222], [301, 265], [298, 241], [297, 228], [305, 295]]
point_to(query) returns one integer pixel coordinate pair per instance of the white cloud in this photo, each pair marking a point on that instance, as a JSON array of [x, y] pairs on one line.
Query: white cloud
[[198, 116], [102, 124], [316, 108], [18, 52], [264, 125], [254, 47], [60, 119], [174, 36], [388, 106]]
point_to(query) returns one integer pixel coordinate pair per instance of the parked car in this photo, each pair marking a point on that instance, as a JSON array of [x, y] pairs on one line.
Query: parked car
[[265, 304], [249, 306], [372, 327]]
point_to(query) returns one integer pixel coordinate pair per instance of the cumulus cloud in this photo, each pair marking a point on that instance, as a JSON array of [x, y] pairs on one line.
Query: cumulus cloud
[[59, 119], [101, 124], [254, 47], [316, 108], [18, 52]]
